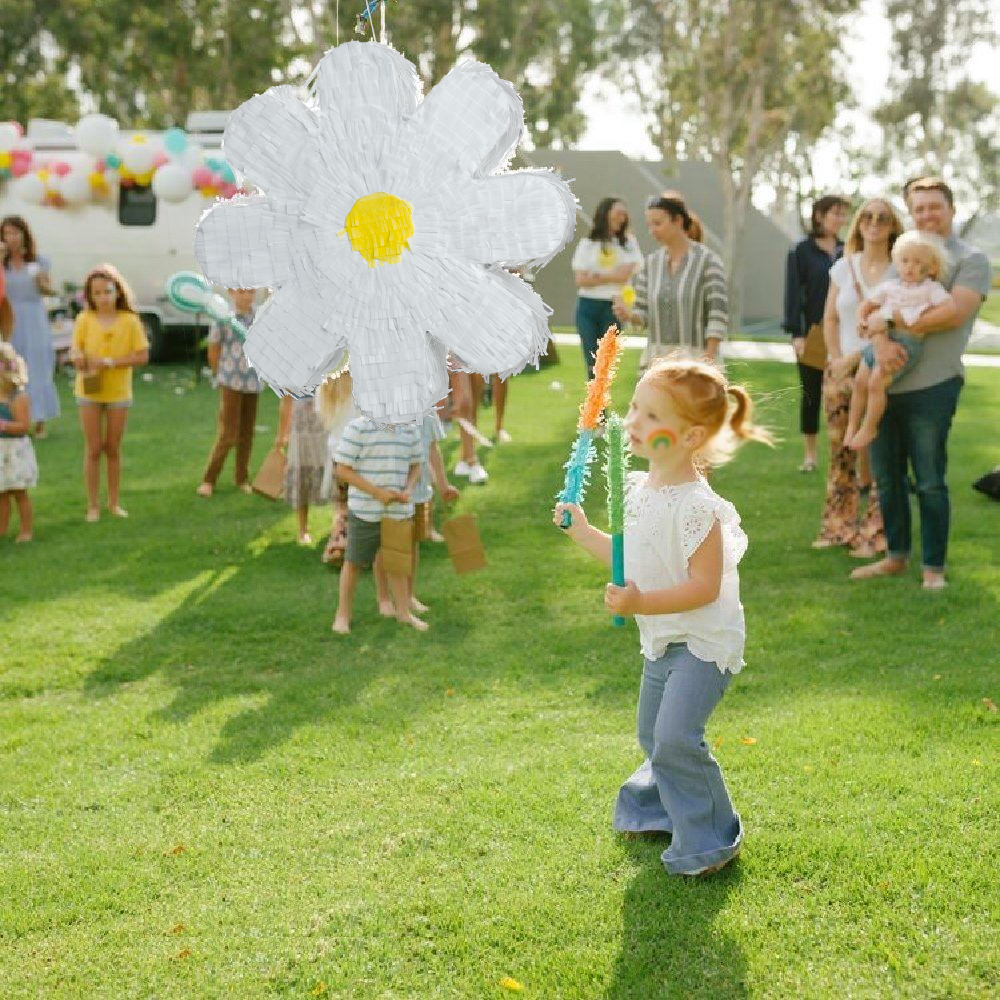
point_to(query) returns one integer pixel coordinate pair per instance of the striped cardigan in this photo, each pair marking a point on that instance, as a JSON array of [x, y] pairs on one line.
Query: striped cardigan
[[702, 302]]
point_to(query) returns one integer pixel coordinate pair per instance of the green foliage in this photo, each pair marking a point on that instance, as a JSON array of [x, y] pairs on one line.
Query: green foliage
[[937, 119]]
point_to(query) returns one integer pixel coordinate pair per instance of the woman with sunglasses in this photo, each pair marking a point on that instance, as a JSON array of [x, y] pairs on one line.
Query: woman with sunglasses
[[807, 278], [680, 289], [873, 231]]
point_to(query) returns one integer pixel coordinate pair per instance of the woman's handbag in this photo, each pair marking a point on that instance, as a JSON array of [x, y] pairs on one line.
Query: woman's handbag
[[814, 352]]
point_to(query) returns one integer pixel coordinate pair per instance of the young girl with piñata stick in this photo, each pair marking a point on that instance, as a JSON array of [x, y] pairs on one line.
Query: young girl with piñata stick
[[596, 402], [683, 544]]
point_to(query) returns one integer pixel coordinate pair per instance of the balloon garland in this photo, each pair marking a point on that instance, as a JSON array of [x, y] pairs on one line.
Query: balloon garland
[[169, 163]]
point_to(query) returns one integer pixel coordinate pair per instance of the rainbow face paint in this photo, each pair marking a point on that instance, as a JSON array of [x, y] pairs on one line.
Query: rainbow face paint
[[662, 437]]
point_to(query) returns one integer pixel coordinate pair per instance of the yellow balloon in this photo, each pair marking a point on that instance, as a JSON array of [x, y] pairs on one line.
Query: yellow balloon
[[44, 175], [628, 296], [4, 159], [209, 191], [145, 179]]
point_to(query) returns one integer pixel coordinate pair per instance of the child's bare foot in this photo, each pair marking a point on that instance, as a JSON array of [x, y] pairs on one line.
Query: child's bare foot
[[205, 490], [414, 622], [93, 515], [418, 606], [305, 539], [341, 626], [26, 536], [386, 608]]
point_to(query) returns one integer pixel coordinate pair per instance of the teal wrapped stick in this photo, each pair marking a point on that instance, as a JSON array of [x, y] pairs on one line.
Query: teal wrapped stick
[[577, 472], [193, 293], [615, 470]]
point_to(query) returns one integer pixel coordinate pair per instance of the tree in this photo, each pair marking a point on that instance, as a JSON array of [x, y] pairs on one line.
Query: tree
[[544, 47], [31, 88], [735, 82], [936, 118]]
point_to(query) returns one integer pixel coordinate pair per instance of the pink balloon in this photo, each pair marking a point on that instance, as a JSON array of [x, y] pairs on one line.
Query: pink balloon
[[227, 190], [61, 168], [202, 177], [100, 166], [159, 160], [20, 162]]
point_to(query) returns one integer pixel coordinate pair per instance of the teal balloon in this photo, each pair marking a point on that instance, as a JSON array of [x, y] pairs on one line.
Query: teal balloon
[[175, 141], [188, 290], [114, 162], [213, 163], [226, 173]]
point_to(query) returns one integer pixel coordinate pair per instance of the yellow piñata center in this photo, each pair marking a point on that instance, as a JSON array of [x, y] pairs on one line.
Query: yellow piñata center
[[378, 227]]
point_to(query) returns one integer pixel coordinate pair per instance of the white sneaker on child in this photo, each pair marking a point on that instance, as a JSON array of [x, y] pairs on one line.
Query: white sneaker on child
[[463, 468], [478, 475]]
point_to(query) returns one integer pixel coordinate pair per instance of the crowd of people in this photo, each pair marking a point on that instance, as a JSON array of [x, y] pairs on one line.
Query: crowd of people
[[878, 322]]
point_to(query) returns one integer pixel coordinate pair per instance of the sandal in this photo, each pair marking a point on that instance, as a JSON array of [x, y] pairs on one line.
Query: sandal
[[878, 569], [807, 467]]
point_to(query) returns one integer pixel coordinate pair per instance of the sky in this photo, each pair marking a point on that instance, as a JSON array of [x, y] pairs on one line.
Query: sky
[[616, 121]]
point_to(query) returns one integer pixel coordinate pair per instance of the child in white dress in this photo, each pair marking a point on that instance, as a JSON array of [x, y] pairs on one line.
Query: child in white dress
[[18, 467], [920, 260], [682, 546]]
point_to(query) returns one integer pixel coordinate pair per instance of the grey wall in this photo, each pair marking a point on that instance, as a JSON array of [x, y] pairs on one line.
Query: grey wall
[[594, 175]]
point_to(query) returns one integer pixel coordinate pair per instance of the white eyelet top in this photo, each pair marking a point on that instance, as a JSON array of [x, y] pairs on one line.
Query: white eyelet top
[[663, 529]]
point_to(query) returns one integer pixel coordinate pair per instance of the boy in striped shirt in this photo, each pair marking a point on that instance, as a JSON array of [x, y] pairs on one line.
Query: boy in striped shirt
[[381, 468]]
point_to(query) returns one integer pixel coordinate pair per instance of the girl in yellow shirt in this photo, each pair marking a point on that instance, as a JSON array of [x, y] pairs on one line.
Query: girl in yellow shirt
[[108, 341]]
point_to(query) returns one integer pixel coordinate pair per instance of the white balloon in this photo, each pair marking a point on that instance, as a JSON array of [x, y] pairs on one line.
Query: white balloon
[[30, 188], [75, 187], [138, 156], [172, 182], [97, 135], [8, 137]]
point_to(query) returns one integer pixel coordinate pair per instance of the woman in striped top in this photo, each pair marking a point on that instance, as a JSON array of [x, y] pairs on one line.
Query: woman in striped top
[[680, 290]]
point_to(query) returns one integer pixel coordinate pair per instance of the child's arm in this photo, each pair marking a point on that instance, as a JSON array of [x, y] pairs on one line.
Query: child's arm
[[448, 492], [412, 478], [701, 587], [21, 411], [597, 543], [346, 474]]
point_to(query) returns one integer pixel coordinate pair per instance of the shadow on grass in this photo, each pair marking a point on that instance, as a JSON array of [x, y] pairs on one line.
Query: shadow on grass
[[671, 944]]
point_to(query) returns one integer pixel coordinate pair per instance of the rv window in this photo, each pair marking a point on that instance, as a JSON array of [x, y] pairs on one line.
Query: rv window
[[136, 205]]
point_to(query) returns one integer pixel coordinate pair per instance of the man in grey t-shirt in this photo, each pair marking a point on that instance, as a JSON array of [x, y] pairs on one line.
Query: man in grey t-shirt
[[922, 403]]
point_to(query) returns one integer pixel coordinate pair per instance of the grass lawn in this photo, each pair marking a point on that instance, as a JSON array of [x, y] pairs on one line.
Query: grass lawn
[[203, 793], [991, 308]]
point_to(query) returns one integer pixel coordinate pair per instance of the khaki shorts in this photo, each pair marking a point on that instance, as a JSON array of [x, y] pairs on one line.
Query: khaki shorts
[[421, 522]]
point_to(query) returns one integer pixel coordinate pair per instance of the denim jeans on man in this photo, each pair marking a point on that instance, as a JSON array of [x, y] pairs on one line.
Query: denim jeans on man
[[915, 430]]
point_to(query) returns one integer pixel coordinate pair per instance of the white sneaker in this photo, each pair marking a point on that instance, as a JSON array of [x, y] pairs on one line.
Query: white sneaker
[[503, 437], [463, 469], [478, 475]]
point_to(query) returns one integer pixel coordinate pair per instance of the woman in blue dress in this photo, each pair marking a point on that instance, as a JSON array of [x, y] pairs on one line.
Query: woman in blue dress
[[27, 279]]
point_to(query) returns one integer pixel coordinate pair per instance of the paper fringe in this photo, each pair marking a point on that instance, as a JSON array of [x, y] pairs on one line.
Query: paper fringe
[[616, 462], [578, 469], [599, 387]]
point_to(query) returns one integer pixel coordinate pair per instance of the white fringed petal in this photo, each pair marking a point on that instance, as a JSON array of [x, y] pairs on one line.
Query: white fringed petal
[[244, 243], [271, 140], [521, 218], [295, 341]]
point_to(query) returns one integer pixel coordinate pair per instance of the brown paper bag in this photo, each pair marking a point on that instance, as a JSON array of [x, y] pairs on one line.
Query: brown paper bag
[[464, 544], [814, 351], [270, 479], [93, 382], [397, 546]]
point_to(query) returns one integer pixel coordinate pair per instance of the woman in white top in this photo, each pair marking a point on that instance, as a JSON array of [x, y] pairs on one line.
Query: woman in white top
[[872, 233], [602, 264]]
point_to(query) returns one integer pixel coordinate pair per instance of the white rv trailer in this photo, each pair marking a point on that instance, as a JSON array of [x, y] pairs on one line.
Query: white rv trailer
[[146, 238]]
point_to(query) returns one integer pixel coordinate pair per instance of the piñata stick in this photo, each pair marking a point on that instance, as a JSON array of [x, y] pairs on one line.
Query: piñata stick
[[615, 469], [596, 402]]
